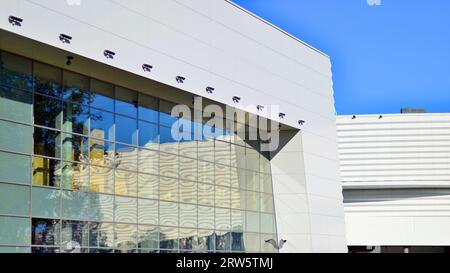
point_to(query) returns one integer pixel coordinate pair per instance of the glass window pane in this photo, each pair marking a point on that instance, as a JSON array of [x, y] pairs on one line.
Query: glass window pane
[[206, 217], [237, 241], [267, 223], [15, 168], [206, 150], [102, 95], [102, 124], [238, 199], [168, 165], [188, 216], [15, 137], [148, 135], [237, 220], [126, 102], [126, 157], [76, 88], [14, 199], [47, 142], [267, 203], [126, 237], [101, 207], [16, 105], [101, 235], [168, 213], [168, 238], [47, 111], [252, 159], [14, 231], [252, 180], [148, 186], [75, 176], [102, 180], [74, 235], [102, 153], [252, 222], [266, 183], [238, 156], [126, 183], [148, 237], [47, 79], [188, 239], [148, 212], [206, 240], [168, 189], [46, 172], [252, 242], [148, 108], [253, 200], [222, 175], [223, 196], [148, 161], [168, 140], [46, 202], [125, 210], [223, 241], [126, 130], [188, 168], [222, 153], [15, 71], [236, 180], [75, 205], [188, 191], [76, 118], [223, 219], [75, 148], [205, 172], [12, 249], [188, 149], [45, 232], [165, 110], [206, 194]]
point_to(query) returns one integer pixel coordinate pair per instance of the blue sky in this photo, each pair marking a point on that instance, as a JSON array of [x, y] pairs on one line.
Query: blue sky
[[384, 57]]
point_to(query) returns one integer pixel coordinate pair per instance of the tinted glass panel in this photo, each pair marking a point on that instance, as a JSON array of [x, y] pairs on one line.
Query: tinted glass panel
[[76, 88], [126, 130], [15, 168], [101, 180], [102, 153], [16, 105], [47, 142], [75, 148], [75, 205], [46, 172], [102, 95], [46, 202], [14, 199], [15, 71], [15, 137], [148, 108], [45, 232], [14, 231], [47, 111], [126, 102], [47, 80], [74, 235], [76, 118], [148, 135], [101, 235], [102, 124]]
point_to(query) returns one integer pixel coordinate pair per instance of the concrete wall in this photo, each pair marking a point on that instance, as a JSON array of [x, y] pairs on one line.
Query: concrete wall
[[213, 43]]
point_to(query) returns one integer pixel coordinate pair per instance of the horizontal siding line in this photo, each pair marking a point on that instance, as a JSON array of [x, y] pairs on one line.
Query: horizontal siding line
[[390, 158], [391, 129], [420, 139], [398, 152], [375, 123], [394, 147], [392, 135]]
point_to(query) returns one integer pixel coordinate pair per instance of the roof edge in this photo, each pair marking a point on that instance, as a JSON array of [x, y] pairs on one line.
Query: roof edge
[[277, 28]]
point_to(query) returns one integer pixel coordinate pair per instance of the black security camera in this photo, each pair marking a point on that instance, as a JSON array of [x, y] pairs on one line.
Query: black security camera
[[69, 60]]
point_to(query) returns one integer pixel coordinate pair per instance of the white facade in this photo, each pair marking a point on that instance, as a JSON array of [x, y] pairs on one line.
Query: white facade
[[215, 43], [396, 179]]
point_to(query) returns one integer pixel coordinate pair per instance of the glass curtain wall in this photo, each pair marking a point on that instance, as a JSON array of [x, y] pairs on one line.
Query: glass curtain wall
[[86, 166]]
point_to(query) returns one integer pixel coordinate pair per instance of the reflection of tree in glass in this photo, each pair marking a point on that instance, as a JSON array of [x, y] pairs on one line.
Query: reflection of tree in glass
[[14, 78]]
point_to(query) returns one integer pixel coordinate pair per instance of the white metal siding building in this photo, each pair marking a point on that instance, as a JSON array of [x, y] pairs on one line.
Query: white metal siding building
[[395, 171]]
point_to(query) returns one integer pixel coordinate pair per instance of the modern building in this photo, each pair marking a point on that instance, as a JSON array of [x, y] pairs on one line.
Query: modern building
[[395, 171], [90, 160]]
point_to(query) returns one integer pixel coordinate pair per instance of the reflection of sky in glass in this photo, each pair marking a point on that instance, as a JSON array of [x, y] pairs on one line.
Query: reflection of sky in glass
[[126, 130], [148, 114], [126, 108], [148, 133], [102, 102], [102, 124]]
